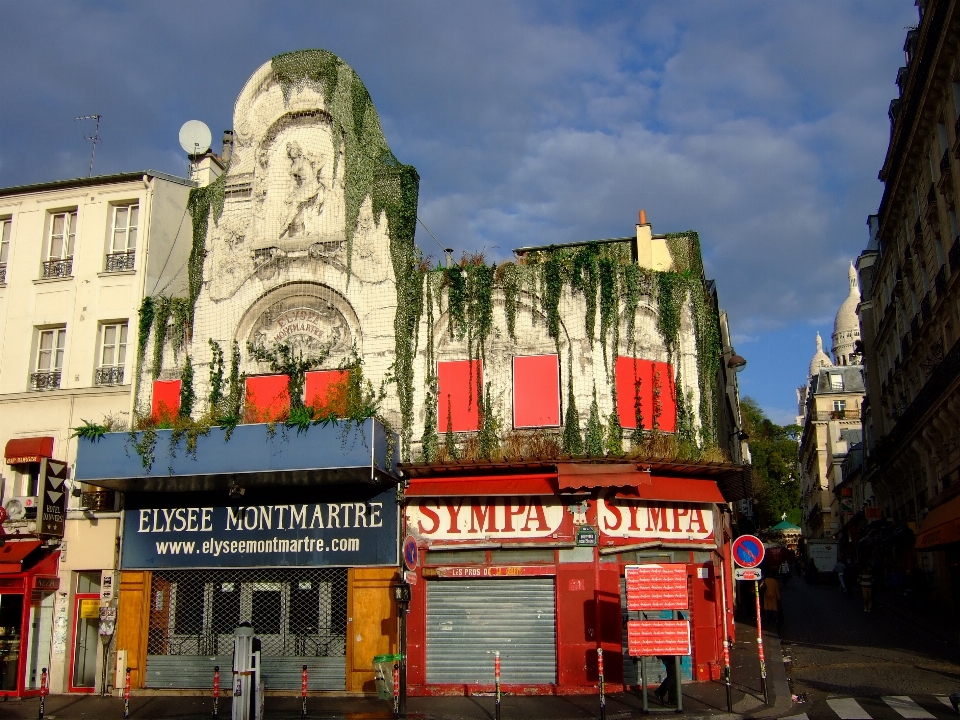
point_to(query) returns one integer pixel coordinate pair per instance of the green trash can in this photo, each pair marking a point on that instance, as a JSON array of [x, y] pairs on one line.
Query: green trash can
[[383, 675]]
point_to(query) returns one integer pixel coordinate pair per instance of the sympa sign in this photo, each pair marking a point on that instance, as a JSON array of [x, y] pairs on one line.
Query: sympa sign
[[311, 534], [453, 519]]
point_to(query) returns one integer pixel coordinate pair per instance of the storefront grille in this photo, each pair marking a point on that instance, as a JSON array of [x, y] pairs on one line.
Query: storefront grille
[[298, 614]]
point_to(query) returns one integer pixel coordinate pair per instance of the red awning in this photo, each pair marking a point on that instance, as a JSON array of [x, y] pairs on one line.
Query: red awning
[[669, 489], [13, 553], [941, 526], [487, 485], [28, 450], [584, 476]]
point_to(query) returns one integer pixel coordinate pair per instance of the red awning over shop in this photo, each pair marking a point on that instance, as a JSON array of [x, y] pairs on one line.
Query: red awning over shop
[[670, 489], [28, 450], [584, 476], [495, 485], [13, 553], [941, 526]]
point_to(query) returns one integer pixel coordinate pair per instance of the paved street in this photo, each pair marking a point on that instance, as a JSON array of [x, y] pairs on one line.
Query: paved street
[[850, 664]]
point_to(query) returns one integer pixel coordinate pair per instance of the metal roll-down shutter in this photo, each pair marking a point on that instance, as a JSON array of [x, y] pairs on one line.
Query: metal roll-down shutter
[[468, 620]]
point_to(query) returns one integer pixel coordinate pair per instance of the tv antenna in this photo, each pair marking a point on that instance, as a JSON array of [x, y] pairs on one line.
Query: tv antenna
[[92, 138]]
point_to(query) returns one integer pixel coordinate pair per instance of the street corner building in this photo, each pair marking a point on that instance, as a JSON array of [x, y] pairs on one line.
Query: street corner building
[[318, 416]]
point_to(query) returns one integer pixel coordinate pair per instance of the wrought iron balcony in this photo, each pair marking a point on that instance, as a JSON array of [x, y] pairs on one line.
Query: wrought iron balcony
[[58, 268], [3, 273], [848, 414], [120, 261], [45, 380], [109, 375]]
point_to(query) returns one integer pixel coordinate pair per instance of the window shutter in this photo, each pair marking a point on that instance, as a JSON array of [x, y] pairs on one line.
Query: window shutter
[[457, 382], [536, 391]]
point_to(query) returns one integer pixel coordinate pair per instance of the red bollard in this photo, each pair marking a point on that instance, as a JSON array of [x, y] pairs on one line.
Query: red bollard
[[396, 690], [496, 675], [303, 692], [126, 695], [603, 689], [763, 665], [216, 689], [43, 690]]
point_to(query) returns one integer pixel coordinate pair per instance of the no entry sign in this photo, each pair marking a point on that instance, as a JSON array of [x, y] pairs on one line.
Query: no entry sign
[[748, 551]]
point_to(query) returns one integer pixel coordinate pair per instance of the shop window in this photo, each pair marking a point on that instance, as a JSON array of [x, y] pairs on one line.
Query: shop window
[[166, 400], [326, 392], [11, 619], [41, 637], [226, 603], [457, 404], [536, 391], [267, 398], [267, 611], [188, 608], [639, 383]]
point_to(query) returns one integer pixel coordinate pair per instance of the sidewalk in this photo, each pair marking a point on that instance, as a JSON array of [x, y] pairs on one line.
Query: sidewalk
[[700, 700]]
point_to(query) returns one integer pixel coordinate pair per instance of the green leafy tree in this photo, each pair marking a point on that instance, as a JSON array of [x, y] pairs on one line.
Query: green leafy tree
[[773, 451]]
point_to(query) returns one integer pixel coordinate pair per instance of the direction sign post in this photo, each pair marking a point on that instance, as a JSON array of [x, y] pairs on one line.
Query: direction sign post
[[748, 552]]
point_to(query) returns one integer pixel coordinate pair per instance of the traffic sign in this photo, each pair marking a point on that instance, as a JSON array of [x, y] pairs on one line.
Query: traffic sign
[[747, 574], [411, 553], [748, 551]]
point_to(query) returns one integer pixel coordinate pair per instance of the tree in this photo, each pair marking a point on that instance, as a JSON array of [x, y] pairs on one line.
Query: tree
[[774, 452]]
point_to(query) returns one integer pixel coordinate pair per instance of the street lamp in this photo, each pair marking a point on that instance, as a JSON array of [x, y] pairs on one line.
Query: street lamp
[[401, 595], [736, 363]]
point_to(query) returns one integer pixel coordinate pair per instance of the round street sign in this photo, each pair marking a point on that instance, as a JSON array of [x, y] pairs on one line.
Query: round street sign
[[748, 551], [411, 553]]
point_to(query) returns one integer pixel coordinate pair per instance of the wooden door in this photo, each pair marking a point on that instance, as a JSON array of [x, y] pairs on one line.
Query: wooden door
[[371, 623]]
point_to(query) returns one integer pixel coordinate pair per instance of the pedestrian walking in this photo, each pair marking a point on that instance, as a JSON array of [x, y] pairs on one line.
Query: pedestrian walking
[[667, 692], [840, 568], [866, 588], [771, 599]]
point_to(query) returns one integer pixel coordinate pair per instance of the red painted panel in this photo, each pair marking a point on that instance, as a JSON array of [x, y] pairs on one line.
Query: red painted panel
[[326, 391], [636, 376], [166, 400], [576, 623], [267, 398], [707, 654], [457, 399], [536, 391]]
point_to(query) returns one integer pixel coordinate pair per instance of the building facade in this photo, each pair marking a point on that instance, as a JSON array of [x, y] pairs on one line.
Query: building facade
[[322, 391], [76, 256], [909, 314], [829, 410]]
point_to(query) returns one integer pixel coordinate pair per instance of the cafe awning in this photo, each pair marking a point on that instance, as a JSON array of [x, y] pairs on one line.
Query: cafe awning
[[940, 527], [28, 450], [13, 553]]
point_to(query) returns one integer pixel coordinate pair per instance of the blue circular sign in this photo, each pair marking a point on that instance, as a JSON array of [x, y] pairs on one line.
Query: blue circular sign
[[748, 551], [411, 553]]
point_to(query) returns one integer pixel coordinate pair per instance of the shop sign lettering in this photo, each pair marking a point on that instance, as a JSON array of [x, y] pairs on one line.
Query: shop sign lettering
[[467, 518], [478, 571], [629, 518], [296, 534]]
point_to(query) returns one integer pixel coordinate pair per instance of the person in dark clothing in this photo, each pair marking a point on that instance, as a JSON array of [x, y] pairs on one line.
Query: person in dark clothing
[[667, 692]]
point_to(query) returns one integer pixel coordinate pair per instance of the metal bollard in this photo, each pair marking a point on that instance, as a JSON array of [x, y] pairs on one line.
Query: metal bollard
[[303, 692], [216, 689], [126, 695], [396, 690], [43, 690], [763, 665], [603, 689], [496, 675]]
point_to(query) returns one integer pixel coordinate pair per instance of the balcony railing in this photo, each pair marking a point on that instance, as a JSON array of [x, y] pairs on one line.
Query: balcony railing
[[120, 261], [45, 380], [58, 268], [109, 375], [3, 273], [849, 414]]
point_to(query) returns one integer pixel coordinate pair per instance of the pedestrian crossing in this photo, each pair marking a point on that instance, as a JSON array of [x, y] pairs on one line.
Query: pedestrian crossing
[[885, 707]]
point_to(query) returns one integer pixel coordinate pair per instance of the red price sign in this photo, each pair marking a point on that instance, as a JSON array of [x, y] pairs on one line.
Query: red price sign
[[657, 587], [646, 638]]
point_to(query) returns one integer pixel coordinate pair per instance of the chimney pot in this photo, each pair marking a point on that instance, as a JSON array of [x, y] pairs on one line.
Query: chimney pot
[[643, 217], [227, 151]]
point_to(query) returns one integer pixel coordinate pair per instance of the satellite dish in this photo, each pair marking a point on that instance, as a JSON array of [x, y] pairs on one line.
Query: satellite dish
[[195, 137]]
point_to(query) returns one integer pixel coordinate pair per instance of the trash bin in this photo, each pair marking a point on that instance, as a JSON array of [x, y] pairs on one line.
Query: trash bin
[[383, 675]]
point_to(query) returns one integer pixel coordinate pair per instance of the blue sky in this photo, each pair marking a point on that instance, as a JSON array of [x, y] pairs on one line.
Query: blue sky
[[761, 125]]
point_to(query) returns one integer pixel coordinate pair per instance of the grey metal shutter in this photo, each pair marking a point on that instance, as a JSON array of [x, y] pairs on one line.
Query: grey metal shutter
[[467, 620]]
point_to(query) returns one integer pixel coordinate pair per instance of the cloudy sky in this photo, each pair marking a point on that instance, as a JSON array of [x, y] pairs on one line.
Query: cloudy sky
[[761, 125]]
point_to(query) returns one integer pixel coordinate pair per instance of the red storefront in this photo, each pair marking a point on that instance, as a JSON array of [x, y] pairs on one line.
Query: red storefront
[[528, 559], [28, 583]]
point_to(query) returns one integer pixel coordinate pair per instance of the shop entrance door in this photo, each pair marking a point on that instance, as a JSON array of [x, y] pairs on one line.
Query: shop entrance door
[[11, 620], [85, 641]]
